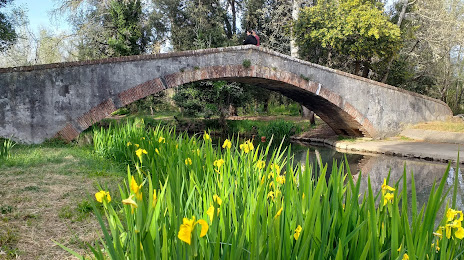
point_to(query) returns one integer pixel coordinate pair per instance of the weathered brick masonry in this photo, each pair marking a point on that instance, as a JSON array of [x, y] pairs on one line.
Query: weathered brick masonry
[[62, 100]]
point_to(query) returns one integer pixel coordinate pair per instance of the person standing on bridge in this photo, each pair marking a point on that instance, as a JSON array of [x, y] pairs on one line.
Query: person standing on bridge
[[250, 39], [253, 32]]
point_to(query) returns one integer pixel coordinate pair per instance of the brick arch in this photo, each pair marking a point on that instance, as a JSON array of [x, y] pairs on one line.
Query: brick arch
[[340, 115]]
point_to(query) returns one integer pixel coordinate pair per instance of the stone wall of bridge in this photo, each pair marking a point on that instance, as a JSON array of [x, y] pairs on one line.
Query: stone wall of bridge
[[62, 100]]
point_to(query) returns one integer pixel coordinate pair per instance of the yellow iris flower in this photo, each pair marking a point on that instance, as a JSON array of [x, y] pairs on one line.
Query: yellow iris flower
[[247, 146], [280, 179], [260, 164], [103, 195], [161, 140], [385, 187], [210, 212], [227, 144], [453, 223], [270, 195], [131, 202], [206, 136], [186, 229], [297, 232], [217, 199], [219, 163], [387, 197], [139, 153], [278, 213], [188, 161], [405, 256]]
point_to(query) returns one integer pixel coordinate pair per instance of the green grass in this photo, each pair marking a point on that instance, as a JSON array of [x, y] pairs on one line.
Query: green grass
[[62, 156], [176, 178], [47, 195]]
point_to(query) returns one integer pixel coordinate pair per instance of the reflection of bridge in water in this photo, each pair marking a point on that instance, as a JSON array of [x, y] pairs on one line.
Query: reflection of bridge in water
[[62, 100], [377, 168]]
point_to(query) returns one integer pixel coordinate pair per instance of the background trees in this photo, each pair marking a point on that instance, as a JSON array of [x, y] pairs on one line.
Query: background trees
[[7, 32], [413, 44]]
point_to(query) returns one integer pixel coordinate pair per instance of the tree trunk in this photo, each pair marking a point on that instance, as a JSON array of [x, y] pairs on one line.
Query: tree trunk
[[234, 17], [400, 21], [295, 13], [366, 68], [357, 67], [232, 110]]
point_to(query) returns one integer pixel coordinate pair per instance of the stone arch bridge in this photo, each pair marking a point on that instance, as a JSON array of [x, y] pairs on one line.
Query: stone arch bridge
[[63, 99]]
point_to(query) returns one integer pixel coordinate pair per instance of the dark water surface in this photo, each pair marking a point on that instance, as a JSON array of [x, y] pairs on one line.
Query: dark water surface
[[377, 168]]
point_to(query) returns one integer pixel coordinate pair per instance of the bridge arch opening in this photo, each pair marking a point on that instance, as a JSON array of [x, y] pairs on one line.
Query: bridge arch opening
[[341, 116]]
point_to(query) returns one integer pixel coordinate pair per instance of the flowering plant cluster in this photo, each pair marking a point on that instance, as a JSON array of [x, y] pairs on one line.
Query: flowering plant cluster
[[187, 197]]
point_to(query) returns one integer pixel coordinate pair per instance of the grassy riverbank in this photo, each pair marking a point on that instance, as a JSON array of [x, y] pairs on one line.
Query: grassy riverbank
[[45, 196]]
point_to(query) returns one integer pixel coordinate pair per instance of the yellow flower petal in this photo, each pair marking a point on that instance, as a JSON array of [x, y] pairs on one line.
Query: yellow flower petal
[[218, 163], [204, 227], [405, 256], [217, 199], [206, 136], [278, 213], [99, 196], [297, 232], [260, 164], [227, 144], [388, 197], [130, 201], [210, 213], [161, 140], [188, 161], [185, 234], [270, 195], [385, 187], [459, 233], [134, 186]]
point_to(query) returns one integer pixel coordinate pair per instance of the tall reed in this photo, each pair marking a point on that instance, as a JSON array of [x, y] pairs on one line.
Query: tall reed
[[5, 148], [189, 198]]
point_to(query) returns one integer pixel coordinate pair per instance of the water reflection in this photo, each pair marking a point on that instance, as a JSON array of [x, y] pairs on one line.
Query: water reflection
[[377, 168]]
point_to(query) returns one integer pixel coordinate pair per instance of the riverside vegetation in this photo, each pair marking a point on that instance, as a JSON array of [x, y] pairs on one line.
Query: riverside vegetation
[[186, 197]]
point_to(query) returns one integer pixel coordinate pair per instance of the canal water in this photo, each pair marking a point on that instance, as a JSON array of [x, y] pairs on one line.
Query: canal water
[[377, 168]]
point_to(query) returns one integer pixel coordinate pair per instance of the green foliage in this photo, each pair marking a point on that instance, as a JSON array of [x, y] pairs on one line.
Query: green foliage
[[354, 28], [292, 109], [194, 24], [7, 32], [246, 63], [121, 111], [5, 148], [128, 36], [305, 77], [209, 98], [264, 199], [279, 130]]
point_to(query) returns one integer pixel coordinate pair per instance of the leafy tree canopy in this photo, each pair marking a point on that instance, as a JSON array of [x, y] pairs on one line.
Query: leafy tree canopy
[[128, 36], [355, 28], [7, 33]]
